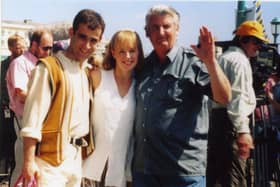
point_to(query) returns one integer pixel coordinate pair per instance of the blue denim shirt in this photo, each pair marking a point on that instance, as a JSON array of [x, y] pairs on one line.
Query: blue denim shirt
[[171, 121]]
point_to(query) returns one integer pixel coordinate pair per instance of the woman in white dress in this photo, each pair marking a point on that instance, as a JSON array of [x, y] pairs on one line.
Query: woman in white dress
[[113, 112]]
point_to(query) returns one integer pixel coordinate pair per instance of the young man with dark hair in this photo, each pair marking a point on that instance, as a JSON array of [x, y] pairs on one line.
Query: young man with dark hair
[[56, 113]]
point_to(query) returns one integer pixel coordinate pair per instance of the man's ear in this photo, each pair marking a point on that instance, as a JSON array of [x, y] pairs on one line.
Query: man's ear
[[71, 32], [147, 32], [34, 45], [177, 30]]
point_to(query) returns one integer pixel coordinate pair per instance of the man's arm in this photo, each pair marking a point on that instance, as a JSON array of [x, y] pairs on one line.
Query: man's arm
[[35, 110], [20, 94], [220, 85], [243, 102], [273, 102], [268, 92], [30, 168]]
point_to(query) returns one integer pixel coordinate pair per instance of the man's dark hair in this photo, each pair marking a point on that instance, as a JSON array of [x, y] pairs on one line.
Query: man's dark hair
[[237, 40], [89, 17]]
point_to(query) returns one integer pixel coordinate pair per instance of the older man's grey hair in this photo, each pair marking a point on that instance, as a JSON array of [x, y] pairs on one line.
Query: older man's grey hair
[[161, 10]]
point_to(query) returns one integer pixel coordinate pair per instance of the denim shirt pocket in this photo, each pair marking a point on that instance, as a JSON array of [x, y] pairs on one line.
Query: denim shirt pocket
[[172, 89]]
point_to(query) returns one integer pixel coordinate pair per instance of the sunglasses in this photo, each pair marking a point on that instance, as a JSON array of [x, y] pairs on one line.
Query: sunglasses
[[47, 48], [256, 41]]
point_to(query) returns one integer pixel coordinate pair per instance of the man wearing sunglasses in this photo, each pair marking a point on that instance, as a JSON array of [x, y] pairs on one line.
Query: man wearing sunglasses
[[17, 77], [229, 138]]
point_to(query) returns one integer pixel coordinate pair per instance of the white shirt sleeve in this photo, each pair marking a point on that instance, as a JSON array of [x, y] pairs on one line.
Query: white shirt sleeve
[[243, 97], [37, 103]]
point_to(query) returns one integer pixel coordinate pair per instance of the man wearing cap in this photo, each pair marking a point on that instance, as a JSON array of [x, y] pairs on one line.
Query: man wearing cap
[[229, 140]]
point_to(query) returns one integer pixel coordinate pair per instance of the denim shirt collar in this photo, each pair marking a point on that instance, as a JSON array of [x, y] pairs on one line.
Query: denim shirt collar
[[176, 56], [173, 53]]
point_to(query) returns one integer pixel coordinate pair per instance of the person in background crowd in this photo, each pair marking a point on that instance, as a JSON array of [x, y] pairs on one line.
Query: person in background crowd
[[58, 46], [96, 60], [59, 95], [230, 141], [17, 77], [272, 91], [17, 46], [171, 118], [113, 111]]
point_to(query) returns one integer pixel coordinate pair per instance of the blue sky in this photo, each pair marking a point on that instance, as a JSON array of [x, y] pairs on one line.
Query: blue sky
[[219, 16]]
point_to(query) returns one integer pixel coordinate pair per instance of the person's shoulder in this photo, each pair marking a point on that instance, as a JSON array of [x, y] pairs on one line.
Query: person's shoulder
[[276, 92], [189, 55], [25, 57], [148, 62], [95, 75], [95, 72], [5, 64], [6, 60], [17, 59], [233, 52], [234, 61], [234, 55], [49, 62], [150, 57], [15, 62], [188, 51], [181, 52]]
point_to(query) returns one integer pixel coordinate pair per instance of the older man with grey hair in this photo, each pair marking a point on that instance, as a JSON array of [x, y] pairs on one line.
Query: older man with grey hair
[[171, 121]]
